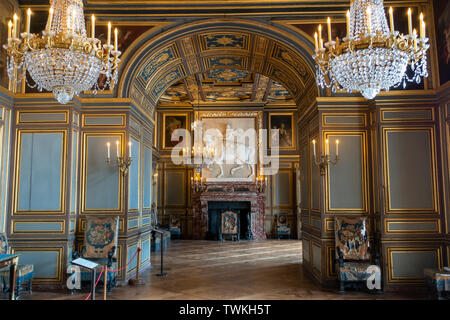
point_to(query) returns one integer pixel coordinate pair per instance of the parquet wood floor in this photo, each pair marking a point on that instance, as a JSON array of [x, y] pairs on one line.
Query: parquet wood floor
[[203, 270]]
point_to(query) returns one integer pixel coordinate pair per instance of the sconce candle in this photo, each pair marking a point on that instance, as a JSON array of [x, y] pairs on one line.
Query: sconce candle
[[108, 145], [337, 148], [314, 147], [327, 147], [117, 148], [129, 147]]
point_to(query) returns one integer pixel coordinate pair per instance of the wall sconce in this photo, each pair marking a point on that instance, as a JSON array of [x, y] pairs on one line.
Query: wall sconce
[[123, 163], [260, 182], [325, 160], [197, 182]]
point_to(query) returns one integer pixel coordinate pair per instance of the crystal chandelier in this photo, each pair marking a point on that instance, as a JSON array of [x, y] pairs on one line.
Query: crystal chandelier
[[373, 56], [63, 60], [199, 156]]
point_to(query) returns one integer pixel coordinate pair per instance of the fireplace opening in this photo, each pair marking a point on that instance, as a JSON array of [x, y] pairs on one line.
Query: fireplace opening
[[215, 209]]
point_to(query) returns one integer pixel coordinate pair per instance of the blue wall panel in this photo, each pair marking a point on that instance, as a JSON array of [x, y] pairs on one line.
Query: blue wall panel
[[102, 180], [147, 177], [73, 173], [40, 171], [134, 176]]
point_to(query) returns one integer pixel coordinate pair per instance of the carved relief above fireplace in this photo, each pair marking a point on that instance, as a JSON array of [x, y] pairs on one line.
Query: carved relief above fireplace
[[231, 192]]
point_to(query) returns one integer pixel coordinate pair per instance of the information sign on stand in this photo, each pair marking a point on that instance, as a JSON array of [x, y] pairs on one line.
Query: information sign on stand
[[92, 266]]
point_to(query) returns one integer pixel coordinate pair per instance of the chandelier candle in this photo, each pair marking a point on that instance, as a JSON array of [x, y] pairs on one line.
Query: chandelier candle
[[391, 19], [421, 27], [109, 34], [27, 28], [315, 41], [423, 30], [415, 39], [348, 23], [115, 38], [49, 21], [92, 27], [369, 21], [373, 57], [329, 30], [10, 29], [409, 22], [15, 18], [320, 36]]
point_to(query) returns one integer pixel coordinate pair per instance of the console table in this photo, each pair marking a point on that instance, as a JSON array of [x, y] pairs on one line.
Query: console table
[[11, 261]]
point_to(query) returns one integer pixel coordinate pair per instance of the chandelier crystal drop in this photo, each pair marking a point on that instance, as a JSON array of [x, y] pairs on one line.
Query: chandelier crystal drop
[[372, 57], [62, 60]]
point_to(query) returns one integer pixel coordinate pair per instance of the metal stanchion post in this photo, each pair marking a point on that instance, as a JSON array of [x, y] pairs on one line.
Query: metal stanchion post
[[93, 279], [162, 274], [105, 283], [138, 262], [137, 280]]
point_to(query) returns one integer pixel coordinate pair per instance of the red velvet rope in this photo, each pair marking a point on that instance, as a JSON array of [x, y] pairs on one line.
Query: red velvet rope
[[139, 249], [101, 272]]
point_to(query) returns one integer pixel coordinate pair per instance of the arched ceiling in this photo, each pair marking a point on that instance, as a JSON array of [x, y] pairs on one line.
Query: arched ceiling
[[227, 85], [208, 48]]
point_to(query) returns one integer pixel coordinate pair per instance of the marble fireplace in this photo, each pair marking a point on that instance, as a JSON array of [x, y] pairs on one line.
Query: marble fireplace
[[234, 193]]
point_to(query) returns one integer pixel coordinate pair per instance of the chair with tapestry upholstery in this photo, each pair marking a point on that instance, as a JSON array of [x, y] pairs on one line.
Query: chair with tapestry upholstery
[[174, 227], [100, 246], [229, 228], [354, 253], [283, 228], [24, 273]]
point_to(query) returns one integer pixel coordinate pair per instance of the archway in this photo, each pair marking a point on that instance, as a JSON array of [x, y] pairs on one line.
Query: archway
[[202, 45]]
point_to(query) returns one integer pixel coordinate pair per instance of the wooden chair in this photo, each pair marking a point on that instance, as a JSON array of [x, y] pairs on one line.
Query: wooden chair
[[100, 246], [174, 227], [283, 228], [229, 228], [24, 273], [353, 253]]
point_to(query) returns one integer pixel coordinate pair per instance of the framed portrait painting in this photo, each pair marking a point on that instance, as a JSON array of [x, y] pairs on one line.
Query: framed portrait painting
[[171, 122], [442, 23], [284, 122]]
